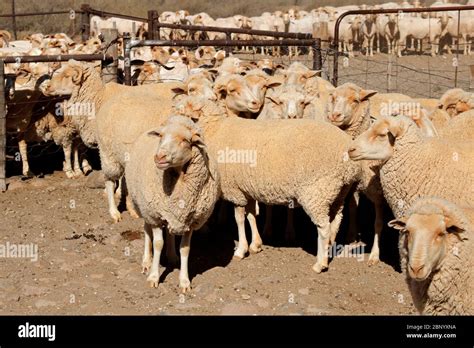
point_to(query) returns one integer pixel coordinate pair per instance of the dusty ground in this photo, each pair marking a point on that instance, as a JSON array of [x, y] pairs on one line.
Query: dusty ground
[[88, 265]]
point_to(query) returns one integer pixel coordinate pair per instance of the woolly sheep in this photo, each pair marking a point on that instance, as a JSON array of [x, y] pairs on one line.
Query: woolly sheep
[[460, 127], [414, 165], [436, 254], [349, 109], [287, 101], [173, 185], [456, 100], [311, 170]]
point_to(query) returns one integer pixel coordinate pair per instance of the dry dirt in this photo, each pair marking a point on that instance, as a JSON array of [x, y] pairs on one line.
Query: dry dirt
[[89, 265]]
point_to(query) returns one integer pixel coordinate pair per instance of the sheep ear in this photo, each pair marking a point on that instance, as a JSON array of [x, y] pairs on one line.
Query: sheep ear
[[398, 224], [274, 99], [197, 140], [180, 89], [396, 127], [365, 94], [311, 73], [452, 227], [154, 133], [309, 98]]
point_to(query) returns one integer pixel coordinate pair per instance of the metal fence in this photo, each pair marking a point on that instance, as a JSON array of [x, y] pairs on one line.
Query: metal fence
[[417, 75]]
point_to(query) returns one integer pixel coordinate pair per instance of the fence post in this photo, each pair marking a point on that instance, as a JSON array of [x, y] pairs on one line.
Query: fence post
[[228, 49], [152, 17], [3, 130], [109, 72], [126, 59], [14, 20], [85, 22], [317, 59]]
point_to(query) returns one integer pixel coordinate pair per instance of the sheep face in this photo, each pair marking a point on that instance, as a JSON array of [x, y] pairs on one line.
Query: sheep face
[[343, 104], [377, 142], [426, 239], [64, 80], [176, 139], [197, 85], [457, 107], [292, 102], [244, 94]]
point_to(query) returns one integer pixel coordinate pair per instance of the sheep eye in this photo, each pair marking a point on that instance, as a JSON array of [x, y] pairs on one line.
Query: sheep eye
[[191, 90], [232, 90], [381, 136]]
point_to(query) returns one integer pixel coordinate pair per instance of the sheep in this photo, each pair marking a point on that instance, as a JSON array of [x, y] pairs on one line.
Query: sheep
[[311, 170], [460, 127], [197, 84], [455, 100], [436, 253], [369, 30], [414, 165], [83, 82], [439, 118], [349, 109], [173, 184]]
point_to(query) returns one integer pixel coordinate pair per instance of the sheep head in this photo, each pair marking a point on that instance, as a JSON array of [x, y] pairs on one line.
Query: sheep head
[[177, 136], [292, 101], [428, 230], [65, 79], [344, 102], [378, 141]]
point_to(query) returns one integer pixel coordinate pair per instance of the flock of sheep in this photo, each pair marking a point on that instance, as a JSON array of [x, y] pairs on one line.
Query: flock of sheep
[[366, 32], [261, 133]]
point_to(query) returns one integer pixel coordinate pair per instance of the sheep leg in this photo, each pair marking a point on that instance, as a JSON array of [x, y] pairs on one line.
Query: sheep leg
[[267, 230], [77, 168], [324, 234], [147, 252], [184, 249], [335, 223], [171, 255], [128, 200], [114, 213], [378, 225], [67, 167], [256, 244], [154, 276], [290, 234], [243, 246], [86, 167], [352, 235]]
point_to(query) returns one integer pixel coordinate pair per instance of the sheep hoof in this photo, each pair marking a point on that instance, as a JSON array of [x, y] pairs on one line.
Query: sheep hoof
[[77, 173], [87, 169], [185, 285], [239, 254], [254, 249], [153, 280], [146, 265], [116, 216], [319, 268], [237, 258], [29, 174], [373, 260]]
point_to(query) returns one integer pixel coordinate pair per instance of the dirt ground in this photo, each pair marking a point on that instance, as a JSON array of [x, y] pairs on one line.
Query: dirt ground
[[89, 265]]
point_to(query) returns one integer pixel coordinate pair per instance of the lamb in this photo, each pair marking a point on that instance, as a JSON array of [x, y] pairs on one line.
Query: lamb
[[310, 170], [455, 101], [174, 184], [414, 165], [436, 253]]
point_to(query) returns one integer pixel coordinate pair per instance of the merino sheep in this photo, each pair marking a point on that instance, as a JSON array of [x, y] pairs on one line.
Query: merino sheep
[[459, 127], [414, 165], [349, 109], [455, 101], [287, 101], [437, 256], [174, 184], [311, 170]]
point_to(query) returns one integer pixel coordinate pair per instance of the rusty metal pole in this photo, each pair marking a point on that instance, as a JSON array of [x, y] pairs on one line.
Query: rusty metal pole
[[152, 15], [317, 59], [109, 72], [14, 20], [85, 21], [228, 49], [3, 129], [126, 59]]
